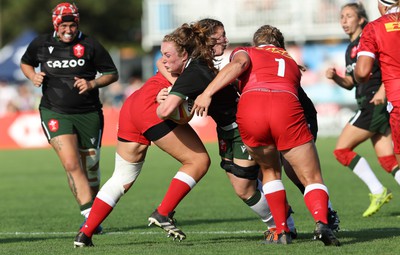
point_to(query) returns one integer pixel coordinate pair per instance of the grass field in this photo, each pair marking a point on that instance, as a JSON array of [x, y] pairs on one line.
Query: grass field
[[38, 214]]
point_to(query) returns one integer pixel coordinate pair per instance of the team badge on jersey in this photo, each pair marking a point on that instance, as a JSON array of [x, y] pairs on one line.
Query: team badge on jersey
[[353, 52], [79, 50], [53, 125], [222, 145]]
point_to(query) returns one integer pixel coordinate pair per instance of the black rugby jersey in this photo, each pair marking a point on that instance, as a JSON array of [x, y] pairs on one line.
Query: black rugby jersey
[[365, 91], [82, 58], [194, 80]]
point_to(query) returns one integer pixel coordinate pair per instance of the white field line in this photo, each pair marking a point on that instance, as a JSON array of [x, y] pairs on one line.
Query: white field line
[[141, 233]]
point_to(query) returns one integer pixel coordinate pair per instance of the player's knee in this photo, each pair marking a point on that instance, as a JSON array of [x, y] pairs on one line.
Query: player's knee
[[201, 161], [388, 163], [90, 159], [344, 156], [126, 172], [249, 172]]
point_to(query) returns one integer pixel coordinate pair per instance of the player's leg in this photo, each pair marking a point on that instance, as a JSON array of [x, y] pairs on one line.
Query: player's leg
[[350, 138], [268, 159], [184, 145], [316, 194], [242, 172], [383, 146], [66, 147], [60, 133], [129, 160]]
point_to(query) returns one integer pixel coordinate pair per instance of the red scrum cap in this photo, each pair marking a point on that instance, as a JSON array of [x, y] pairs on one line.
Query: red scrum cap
[[65, 12]]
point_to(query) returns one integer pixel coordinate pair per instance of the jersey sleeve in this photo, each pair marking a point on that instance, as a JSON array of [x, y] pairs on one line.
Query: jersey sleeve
[[368, 46], [30, 55], [236, 50]]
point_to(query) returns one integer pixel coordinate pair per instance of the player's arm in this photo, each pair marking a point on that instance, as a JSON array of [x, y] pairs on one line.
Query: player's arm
[[30, 73], [239, 63], [345, 82], [84, 85], [167, 106], [363, 68]]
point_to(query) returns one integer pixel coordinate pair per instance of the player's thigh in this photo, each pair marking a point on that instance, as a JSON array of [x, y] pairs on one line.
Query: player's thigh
[[184, 144], [351, 136], [383, 144], [66, 147], [132, 152], [308, 168]]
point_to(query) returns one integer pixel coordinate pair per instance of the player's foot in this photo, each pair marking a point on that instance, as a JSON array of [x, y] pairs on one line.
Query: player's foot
[[377, 201], [272, 237], [81, 240], [97, 231], [333, 220], [167, 223], [323, 233]]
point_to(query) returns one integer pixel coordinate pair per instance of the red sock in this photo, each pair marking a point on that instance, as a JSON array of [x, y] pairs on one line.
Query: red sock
[[317, 203], [279, 207], [100, 210], [176, 192]]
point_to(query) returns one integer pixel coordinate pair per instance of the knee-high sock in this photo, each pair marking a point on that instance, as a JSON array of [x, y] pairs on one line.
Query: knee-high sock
[[258, 203], [276, 197], [180, 186], [316, 199], [100, 210]]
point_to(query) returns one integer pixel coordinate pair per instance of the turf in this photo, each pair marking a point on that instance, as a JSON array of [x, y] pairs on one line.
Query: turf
[[38, 214]]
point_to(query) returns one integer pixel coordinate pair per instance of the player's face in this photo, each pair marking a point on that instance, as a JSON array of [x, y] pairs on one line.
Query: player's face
[[222, 41], [350, 21], [67, 31], [170, 58]]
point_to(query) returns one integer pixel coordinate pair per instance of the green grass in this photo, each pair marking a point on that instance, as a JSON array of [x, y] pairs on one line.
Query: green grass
[[38, 214]]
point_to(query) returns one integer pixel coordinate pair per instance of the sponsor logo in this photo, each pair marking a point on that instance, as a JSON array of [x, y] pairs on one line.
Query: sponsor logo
[[65, 63], [53, 125], [92, 140], [51, 48], [392, 26], [79, 50]]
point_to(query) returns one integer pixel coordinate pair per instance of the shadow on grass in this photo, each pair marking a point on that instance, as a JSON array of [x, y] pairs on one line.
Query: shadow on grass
[[359, 236], [17, 239], [180, 223]]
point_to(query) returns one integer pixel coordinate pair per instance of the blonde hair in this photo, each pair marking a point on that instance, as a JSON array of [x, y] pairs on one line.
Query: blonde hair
[[269, 35]]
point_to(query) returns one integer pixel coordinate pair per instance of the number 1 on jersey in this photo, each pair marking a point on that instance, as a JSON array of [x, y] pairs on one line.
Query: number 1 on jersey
[[281, 67]]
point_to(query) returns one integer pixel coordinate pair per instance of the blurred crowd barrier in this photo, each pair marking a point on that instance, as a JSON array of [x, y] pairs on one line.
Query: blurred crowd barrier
[[20, 120]]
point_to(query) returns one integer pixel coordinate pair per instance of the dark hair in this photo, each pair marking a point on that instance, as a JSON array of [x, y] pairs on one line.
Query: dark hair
[[210, 25], [269, 35], [195, 40], [360, 11]]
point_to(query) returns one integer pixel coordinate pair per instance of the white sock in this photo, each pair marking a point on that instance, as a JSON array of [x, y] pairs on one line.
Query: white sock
[[261, 208], [365, 173], [397, 177]]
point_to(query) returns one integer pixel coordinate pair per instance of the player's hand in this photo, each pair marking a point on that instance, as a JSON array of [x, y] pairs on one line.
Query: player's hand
[[38, 78], [379, 97], [162, 95], [330, 73], [201, 104], [82, 85]]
